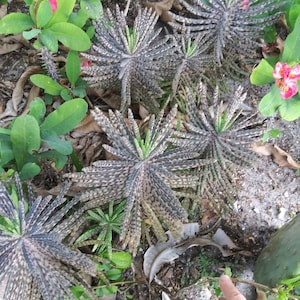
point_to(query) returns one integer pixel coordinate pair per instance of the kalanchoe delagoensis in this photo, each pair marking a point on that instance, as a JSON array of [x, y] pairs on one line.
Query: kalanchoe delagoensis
[[222, 133], [144, 172], [133, 60], [193, 59], [34, 261], [230, 25]]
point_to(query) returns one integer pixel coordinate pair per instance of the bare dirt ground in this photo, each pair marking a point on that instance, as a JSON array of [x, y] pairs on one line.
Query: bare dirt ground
[[267, 195]]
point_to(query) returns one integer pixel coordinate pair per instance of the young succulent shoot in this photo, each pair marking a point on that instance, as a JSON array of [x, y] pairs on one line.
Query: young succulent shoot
[[193, 59], [34, 261], [228, 24], [220, 132], [144, 172], [131, 60]]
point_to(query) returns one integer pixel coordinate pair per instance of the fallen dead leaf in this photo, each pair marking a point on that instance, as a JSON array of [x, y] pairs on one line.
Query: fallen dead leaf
[[11, 109], [162, 8], [279, 156]]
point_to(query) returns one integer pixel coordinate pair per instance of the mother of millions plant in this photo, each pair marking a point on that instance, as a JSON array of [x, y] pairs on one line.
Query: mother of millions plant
[[34, 261], [144, 172]]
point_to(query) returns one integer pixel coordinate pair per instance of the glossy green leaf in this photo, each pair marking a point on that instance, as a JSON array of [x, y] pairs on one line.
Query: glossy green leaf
[[62, 13], [6, 152], [37, 109], [262, 74], [25, 138], [291, 51], [290, 109], [48, 39], [93, 8], [59, 159], [79, 18], [29, 170], [71, 36], [28, 35], [73, 67], [15, 23], [293, 14], [47, 83], [44, 13], [270, 102], [65, 117], [121, 260], [61, 146]]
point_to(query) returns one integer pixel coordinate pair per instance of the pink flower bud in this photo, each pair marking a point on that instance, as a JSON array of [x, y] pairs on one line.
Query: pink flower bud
[[53, 5]]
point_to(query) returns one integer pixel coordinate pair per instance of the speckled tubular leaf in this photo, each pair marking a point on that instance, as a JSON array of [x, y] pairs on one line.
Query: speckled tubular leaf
[[25, 138], [71, 36], [15, 23], [73, 67], [65, 117]]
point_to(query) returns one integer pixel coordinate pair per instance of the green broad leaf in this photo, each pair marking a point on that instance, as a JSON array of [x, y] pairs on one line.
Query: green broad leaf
[[271, 102], [79, 18], [61, 146], [62, 13], [6, 152], [29, 170], [273, 133], [93, 8], [47, 83], [37, 109], [262, 74], [28, 35], [291, 51], [25, 138], [59, 159], [66, 94], [113, 274], [15, 23], [71, 36], [48, 39], [290, 109], [121, 260], [293, 14], [73, 66], [65, 117], [44, 13]]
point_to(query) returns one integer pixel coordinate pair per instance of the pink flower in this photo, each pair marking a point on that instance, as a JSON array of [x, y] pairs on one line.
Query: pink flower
[[245, 4], [53, 5], [295, 72], [289, 89], [286, 79], [281, 71], [86, 63]]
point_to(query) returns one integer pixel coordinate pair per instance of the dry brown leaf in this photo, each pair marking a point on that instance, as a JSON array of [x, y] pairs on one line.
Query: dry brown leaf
[[87, 125], [17, 96], [7, 48], [161, 8], [3, 10], [279, 156]]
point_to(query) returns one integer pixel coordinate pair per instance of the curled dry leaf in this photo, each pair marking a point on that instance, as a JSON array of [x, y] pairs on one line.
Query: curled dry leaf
[[162, 253], [279, 156], [11, 109], [162, 8]]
